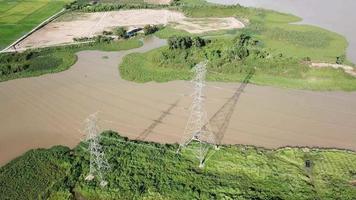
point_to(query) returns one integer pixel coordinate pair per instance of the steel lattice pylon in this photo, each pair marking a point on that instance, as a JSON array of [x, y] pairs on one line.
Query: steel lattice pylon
[[98, 163], [197, 128]]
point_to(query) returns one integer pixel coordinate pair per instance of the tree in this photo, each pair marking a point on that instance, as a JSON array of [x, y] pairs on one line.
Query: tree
[[244, 39], [149, 29], [176, 2], [186, 42], [198, 42], [340, 59], [121, 32]]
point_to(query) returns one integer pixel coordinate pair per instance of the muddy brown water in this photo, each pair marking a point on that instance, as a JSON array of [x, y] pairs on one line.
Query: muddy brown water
[[338, 16], [50, 109]]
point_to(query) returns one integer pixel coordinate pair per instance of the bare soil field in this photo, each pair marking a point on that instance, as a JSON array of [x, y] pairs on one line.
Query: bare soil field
[[347, 69], [90, 24], [50, 109], [158, 1]]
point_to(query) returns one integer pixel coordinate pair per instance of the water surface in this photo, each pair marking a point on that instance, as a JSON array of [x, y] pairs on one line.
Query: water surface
[[337, 16], [49, 110]]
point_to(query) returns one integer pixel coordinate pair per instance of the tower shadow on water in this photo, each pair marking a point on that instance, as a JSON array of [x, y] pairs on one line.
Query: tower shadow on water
[[143, 135], [220, 121]]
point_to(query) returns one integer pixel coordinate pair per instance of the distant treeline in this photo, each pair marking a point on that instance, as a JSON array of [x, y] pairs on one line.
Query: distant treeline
[[87, 6]]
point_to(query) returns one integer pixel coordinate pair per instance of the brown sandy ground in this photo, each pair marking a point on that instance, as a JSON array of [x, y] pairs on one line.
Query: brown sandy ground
[[166, 2], [347, 69], [89, 24], [50, 109]]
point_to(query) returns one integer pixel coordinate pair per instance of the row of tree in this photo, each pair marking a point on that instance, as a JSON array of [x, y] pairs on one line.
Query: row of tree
[[186, 42]]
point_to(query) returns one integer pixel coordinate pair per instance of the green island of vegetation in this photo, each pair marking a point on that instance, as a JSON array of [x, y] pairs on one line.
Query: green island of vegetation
[[36, 62], [144, 170], [279, 52]]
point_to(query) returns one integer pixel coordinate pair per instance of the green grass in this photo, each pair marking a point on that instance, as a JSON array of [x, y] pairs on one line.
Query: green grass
[[17, 17], [300, 40], [56, 59], [277, 36], [277, 32], [163, 65], [139, 68], [142, 170]]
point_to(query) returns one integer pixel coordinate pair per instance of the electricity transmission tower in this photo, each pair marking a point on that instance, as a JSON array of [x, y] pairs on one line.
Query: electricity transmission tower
[[98, 163], [197, 128]]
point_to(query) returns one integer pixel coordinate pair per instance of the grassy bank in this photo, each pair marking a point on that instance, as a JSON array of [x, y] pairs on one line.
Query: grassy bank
[[17, 17], [141, 170], [288, 48], [271, 68], [54, 59]]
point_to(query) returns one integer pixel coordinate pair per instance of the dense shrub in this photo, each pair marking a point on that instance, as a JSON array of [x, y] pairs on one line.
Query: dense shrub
[[36, 62], [107, 32], [150, 29], [340, 59], [186, 42], [35, 174], [121, 32], [103, 39], [147, 170], [87, 6], [82, 39]]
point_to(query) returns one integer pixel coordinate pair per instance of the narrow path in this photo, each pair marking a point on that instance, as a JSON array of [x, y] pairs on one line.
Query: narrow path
[[347, 69]]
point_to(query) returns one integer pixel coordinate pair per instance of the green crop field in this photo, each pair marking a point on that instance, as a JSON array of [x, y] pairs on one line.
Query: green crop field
[[17, 17]]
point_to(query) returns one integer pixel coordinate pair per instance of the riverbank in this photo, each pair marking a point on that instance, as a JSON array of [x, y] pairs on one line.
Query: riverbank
[[225, 65], [141, 170], [37, 62], [327, 14]]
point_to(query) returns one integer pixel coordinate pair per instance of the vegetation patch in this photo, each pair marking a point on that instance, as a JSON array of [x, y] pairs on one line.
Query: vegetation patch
[[231, 59], [309, 39], [54, 59], [110, 5], [142, 170], [35, 174]]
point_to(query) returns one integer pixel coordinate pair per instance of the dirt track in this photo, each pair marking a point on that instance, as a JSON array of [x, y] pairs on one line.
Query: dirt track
[[50, 109], [89, 24]]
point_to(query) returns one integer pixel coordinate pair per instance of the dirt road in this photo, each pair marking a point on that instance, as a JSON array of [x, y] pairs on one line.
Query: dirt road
[[50, 109]]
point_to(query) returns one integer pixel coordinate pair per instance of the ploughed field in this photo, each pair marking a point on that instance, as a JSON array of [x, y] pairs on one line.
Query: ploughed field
[[17, 17], [50, 109]]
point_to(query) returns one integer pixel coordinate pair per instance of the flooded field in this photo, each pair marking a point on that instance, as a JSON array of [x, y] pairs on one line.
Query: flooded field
[[337, 16], [50, 109]]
